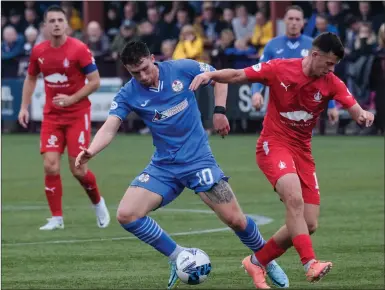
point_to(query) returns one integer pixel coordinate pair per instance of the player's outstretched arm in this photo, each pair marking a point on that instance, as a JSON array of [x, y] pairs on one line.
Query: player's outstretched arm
[[28, 88], [361, 116], [226, 76], [101, 140]]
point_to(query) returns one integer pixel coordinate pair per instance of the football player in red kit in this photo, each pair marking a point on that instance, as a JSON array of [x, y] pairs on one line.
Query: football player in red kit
[[65, 63], [299, 91]]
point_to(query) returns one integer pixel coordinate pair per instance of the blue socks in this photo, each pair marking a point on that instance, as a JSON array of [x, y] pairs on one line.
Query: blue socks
[[148, 231], [251, 237]]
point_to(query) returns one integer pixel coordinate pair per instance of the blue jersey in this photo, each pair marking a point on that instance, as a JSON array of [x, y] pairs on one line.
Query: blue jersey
[[285, 47], [170, 111]]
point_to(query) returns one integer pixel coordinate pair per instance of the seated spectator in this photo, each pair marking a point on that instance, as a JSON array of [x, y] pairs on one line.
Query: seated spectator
[[263, 32], [30, 37], [127, 33], [190, 44], [218, 57], [243, 24], [146, 33], [73, 16], [322, 25], [113, 22], [377, 81], [228, 16], [242, 54], [30, 19], [12, 45], [167, 50], [15, 21], [96, 40]]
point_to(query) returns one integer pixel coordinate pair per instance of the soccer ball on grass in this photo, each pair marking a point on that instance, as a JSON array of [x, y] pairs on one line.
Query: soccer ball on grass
[[193, 266]]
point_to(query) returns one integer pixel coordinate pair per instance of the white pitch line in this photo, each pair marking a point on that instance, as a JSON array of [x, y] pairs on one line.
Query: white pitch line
[[260, 220]]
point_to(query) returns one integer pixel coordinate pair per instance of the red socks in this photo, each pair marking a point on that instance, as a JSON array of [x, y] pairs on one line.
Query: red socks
[[269, 252], [54, 192], [303, 245], [89, 184]]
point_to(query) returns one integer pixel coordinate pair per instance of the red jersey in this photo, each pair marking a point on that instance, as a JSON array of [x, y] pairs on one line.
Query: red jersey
[[296, 100], [64, 69]]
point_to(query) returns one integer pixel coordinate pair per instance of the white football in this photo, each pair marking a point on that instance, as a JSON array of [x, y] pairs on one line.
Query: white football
[[193, 266]]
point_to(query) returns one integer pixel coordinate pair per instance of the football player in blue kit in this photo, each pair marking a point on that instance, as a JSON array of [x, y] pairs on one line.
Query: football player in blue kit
[[159, 93]]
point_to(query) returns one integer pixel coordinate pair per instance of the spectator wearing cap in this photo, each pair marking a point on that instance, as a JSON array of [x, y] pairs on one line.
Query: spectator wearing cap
[[127, 33], [190, 44]]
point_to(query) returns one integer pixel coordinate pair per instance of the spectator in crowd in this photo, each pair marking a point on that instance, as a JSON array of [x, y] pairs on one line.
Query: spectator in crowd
[[182, 19], [228, 16], [15, 21], [169, 16], [322, 25], [127, 33], [74, 33], [30, 19], [218, 57], [319, 8], [42, 35], [379, 19], [211, 26], [364, 11], [30, 34], [146, 33], [337, 18], [12, 44], [113, 22], [96, 40], [190, 44], [167, 50], [11, 48], [161, 29], [73, 16], [353, 27], [242, 54], [4, 21], [263, 7], [263, 32], [130, 12], [377, 81], [243, 24]]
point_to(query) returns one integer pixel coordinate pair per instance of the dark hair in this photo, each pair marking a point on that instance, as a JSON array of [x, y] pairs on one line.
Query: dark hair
[[329, 42], [294, 7], [53, 8], [323, 16], [133, 52]]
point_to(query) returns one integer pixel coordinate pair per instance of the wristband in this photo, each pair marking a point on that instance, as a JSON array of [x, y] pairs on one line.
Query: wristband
[[220, 110]]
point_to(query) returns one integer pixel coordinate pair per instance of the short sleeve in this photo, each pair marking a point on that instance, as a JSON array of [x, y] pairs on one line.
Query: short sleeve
[[341, 93], [33, 67], [261, 73], [193, 68], [86, 60], [119, 106]]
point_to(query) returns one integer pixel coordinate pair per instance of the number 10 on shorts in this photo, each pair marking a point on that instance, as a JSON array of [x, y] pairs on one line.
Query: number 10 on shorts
[[205, 177]]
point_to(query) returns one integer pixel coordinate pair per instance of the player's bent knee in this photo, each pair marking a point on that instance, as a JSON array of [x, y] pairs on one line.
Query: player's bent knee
[[237, 222], [78, 173], [51, 166], [128, 215]]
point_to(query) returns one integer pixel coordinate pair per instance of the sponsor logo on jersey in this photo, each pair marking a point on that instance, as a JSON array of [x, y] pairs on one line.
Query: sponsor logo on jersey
[[159, 116], [297, 116], [56, 78]]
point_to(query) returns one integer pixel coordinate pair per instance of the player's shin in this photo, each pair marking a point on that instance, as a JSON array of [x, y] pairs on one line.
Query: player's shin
[[250, 236], [54, 192], [88, 181], [148, 231]]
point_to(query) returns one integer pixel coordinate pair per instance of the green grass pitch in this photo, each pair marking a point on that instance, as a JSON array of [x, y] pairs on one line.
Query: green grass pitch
[[350, 171]]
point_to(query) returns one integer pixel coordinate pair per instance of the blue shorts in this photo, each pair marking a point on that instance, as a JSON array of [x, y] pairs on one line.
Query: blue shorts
[[169, 180]]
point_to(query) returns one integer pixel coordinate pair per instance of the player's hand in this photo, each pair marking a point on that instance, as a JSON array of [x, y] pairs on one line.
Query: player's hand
[[23, 117], [257, 101], [201, 79], [83, 157], [333, 116], [221, 124], [365, 118], [62, 100]]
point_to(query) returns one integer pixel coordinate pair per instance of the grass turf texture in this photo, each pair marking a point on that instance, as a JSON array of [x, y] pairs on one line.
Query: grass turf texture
[[350, 171]]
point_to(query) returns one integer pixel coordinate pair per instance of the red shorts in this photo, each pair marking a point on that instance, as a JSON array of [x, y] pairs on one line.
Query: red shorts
[[55, 137], [276, 159]]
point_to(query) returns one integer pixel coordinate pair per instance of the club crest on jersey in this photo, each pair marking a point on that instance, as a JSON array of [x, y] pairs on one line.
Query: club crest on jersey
[[257, 67], [159, 116], [114, 105], [144, 177], [177, 86], [318, 97], [304, 52], [66, 63]]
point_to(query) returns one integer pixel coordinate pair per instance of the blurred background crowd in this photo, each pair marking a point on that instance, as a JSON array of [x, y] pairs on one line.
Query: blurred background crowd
[[223, 33]]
